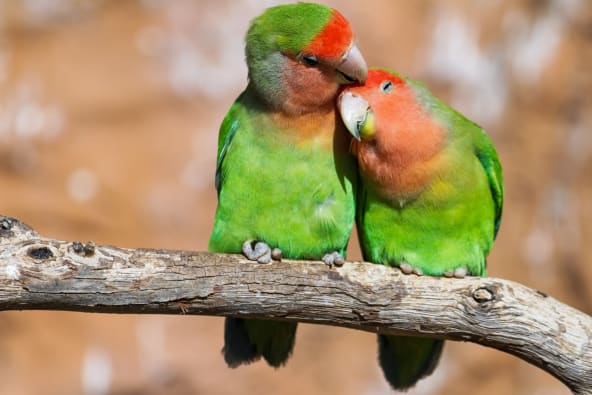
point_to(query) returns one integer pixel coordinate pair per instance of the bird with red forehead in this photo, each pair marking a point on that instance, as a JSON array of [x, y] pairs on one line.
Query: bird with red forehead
[[431, 199], [284, 177]]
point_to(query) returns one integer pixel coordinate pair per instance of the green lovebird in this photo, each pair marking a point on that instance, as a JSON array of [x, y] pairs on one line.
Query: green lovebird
[[284, 176], [431, 200]]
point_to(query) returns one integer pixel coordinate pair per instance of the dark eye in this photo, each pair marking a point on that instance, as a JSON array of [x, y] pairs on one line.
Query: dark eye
[[310, 60], [386, 86]]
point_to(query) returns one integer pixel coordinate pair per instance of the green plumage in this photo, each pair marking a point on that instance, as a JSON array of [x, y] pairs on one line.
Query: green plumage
[[454, 221], [404, 360], [284, 178], [295, 196], [288, 27], [292, 194], [450, 224]]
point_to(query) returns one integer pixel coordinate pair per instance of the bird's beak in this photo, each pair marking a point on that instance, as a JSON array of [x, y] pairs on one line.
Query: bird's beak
[[356, 115], [353, 67]]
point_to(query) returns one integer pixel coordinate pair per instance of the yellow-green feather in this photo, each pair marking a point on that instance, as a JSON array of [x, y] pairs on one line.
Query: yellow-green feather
[[298, 197], [295, 196], [452, 224]]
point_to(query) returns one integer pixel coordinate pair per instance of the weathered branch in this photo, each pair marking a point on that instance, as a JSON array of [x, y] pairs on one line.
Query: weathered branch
[[41, 273]]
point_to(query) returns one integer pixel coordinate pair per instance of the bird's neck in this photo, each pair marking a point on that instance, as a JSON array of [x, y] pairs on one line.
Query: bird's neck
[[311, 128]]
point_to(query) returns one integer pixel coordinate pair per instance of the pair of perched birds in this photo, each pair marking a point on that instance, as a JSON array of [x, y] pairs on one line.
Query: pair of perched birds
[[423, 183]]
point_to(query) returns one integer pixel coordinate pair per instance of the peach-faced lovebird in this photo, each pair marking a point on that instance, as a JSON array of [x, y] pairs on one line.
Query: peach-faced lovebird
[[431, 200], [284, 175]]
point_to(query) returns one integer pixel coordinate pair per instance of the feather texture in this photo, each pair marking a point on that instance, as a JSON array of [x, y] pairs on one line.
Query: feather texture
[[431, 199], [283, 174]]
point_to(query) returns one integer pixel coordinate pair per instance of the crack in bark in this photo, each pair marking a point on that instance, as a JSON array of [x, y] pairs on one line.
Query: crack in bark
[[41, 273]]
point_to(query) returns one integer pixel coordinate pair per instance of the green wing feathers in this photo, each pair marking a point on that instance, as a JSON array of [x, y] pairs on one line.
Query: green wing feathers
[[229, 126], [464, 127], [487, 155]]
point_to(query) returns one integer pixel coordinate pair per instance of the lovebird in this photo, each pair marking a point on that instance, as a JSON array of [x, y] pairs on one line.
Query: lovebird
[[431, 196], [284, 175]]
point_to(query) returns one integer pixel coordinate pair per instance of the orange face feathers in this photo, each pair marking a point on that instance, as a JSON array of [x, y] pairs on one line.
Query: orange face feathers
[[398, 140], [299, 54]]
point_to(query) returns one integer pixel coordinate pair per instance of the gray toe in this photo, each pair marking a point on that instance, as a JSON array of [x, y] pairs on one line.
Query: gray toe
[[406, 268]]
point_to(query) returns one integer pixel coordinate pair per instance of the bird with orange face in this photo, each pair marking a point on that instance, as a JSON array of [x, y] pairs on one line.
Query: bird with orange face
[[431, 196]]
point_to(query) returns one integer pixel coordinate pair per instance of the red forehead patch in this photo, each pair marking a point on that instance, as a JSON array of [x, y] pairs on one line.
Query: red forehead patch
[[333, 40], [378, 76]]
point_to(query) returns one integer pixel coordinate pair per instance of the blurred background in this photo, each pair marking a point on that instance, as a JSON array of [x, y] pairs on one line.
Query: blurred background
[[109, 114]]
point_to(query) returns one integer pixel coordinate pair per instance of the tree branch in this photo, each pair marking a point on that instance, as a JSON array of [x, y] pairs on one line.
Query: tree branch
[[41, 273]]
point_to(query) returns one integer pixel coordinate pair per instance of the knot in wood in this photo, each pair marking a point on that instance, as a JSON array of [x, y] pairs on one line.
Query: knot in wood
[[40, 253], [85, 250], [5, 224], [483, 295]]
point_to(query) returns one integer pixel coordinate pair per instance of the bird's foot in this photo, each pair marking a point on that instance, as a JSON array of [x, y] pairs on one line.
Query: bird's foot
[[459, 272], [408, 269], [333, 259], [261, 252], [276, 254]]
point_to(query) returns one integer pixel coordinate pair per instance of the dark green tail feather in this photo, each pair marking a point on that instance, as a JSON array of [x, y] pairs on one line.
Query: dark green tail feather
[[405, 360], [246, 341], [238, 349]]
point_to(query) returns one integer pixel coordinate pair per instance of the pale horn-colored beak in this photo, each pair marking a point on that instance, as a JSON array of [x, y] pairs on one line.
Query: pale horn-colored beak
[[353, 68], [354, 112]]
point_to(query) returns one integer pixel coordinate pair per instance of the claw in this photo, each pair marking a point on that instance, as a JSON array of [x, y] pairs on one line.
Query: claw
[[460, 272], [276, 254], [265, 258], [248, 250], [333, 259], [406, 268], [260, 253]]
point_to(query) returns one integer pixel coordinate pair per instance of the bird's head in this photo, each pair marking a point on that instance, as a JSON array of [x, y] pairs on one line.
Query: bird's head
[[300, 54]]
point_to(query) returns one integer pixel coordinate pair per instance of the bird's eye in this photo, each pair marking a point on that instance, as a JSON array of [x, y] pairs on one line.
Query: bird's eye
[[310, 60], [386, 86]]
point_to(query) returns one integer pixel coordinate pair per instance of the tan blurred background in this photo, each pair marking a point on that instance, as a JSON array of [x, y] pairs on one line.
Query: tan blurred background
[[109, 112]]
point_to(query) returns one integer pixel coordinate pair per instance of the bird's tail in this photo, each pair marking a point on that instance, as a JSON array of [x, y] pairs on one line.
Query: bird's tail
[[405, 360], [246, 341]]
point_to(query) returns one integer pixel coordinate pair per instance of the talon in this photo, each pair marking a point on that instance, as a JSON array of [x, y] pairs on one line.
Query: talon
[[460, 272], [333, 259], [276, 254], [406, 268], [248, 250], [261, 249], [339, 260], [265, 258], [260, 253], [329, 259], [263, 252], [448, 274], [417, 271]]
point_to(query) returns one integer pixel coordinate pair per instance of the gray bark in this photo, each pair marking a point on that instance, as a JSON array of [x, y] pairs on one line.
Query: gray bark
[[41, 273]]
